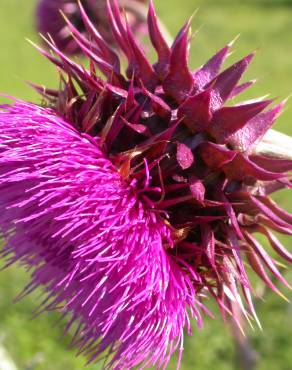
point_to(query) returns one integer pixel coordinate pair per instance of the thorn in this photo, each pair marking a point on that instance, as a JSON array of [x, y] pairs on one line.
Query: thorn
[[232, 42], [195, 33], [193, 15]]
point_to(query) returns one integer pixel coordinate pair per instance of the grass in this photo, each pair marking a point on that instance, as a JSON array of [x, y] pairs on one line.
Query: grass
[[264, 25]]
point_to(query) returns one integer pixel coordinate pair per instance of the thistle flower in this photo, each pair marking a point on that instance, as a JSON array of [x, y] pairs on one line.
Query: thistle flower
[[132, 197], [89, 238], [50, 20]]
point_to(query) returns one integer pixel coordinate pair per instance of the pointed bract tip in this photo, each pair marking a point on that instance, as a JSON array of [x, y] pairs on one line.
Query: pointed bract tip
[[233, 41]]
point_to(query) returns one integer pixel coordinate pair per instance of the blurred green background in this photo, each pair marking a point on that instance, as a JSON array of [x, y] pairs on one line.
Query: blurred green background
[[265, 25]]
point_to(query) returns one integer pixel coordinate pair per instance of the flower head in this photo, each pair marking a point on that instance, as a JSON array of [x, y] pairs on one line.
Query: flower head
[[134, 196], [50, 20], [89, 239]]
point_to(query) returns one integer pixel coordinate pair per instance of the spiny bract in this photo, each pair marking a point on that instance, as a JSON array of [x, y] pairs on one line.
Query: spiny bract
[[134, 196]]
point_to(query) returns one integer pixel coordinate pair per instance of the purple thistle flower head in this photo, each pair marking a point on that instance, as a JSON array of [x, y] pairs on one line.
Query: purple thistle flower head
[[49, 20], [90, 239], [132, 197]]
